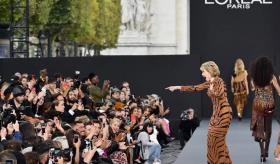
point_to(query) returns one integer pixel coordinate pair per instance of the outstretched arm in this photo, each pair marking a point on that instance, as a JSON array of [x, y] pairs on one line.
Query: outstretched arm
[[276, 85], [189, 88]]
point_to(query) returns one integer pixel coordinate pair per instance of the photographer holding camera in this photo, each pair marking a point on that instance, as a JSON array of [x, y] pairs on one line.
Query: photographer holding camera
[[96, 93], [189, 122], [21, 107]]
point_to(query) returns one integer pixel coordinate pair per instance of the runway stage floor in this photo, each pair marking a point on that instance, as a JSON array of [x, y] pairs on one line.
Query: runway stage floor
[[242, 147]]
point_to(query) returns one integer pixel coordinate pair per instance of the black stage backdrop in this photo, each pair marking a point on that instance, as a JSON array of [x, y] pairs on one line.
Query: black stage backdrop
[[223, 35], [146, 75]]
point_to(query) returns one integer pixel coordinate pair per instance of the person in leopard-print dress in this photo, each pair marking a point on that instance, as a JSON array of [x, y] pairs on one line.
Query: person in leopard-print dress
[[239, 87], [263, 104], [217, 150]]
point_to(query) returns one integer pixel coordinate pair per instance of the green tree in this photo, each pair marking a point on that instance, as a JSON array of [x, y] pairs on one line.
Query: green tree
[[60, 19], [39, 11], [85, 15], [107, 29], [4, 11]]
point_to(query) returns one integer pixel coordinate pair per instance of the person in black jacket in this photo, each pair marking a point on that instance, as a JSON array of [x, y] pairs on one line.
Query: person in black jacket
[[189, 122]]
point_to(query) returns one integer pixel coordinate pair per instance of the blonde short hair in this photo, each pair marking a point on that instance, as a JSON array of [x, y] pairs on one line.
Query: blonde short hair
[[115, 120], [239, 66], [211, 67]]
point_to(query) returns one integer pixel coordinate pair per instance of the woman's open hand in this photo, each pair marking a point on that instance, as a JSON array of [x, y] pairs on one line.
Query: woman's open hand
[[173, 88]]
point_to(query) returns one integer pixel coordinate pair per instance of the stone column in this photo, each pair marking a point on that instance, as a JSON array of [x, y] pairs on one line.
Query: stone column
[[183, 26]]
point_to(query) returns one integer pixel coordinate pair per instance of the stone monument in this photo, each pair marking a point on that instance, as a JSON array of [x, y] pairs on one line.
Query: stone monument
[[153, 27]]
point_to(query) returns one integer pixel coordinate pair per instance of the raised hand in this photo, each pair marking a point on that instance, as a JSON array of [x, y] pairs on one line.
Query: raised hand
[[77, 144], [106, 84], [16, 126], [173, 88], [3, 133]]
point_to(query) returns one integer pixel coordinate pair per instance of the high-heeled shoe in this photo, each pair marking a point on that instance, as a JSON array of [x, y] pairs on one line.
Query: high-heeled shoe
[[263, 159]]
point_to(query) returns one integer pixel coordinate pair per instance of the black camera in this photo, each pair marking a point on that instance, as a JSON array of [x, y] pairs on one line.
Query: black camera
[[66, 154], [8, 117]]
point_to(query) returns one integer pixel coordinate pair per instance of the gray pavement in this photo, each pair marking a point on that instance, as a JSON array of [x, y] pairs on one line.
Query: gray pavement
[[170, 154], [242, 147]]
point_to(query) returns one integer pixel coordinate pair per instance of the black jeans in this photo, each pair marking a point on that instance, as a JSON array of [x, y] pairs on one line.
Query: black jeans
[[184, 137]]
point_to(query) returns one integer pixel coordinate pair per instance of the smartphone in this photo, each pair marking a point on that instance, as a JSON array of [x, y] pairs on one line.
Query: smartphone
[[76, 138], [80, 101], [43, 130], [51, 153]]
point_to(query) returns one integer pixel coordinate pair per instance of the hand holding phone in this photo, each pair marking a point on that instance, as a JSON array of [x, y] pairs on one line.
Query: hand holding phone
[[76, 138]]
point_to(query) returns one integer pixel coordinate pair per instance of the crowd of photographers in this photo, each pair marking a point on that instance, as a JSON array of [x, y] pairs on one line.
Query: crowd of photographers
[[56, 119]]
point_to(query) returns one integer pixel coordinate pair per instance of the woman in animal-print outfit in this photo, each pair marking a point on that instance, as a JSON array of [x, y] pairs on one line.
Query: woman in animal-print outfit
[[264, 81], [217, 151]]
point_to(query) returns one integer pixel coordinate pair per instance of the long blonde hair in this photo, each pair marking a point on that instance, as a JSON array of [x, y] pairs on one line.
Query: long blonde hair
[[211, 67], [239, 66]]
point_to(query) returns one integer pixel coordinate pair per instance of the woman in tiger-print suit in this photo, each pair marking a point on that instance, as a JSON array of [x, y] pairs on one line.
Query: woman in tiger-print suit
[[217, 151]]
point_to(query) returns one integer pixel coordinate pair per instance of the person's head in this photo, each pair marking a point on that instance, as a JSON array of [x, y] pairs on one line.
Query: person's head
[[18, 74], [239, 66], [13, 145], [134, 111], [149, 128], [93, 78], [147, 111], [69, 81], [72, 96], [139, 112], [27, 92], [7, 155], [43, 73], [115, 94], [59, 97], [262, 71], [31, 157], [122, 96], [58, 105], [19, 94], [96, 127], [27, 131], [118, 113], [24, 81], [42, 149], [153, 118], [115, 124], [52, 83], [88, 127], [125, 84], [70, 136], [80, 128], [4, 86], [190, 113], [209, 70]]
